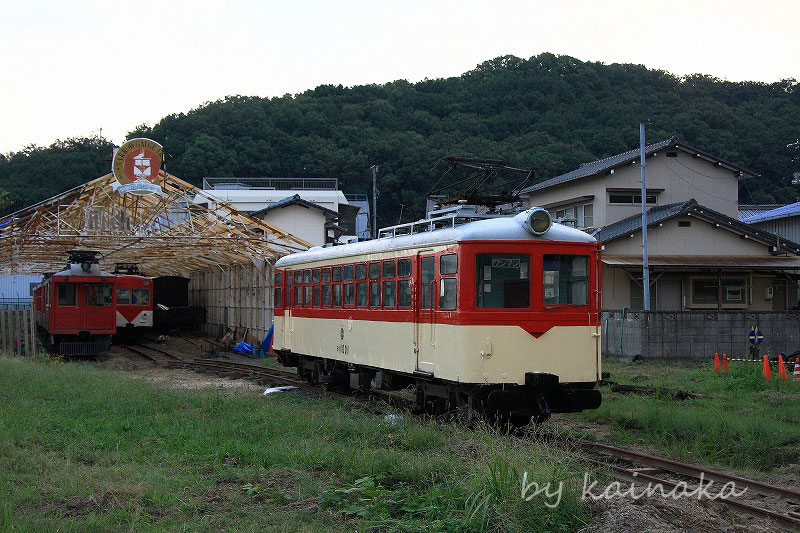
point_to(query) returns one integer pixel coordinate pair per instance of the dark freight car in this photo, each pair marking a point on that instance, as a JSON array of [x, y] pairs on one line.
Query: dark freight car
[[171, 309]]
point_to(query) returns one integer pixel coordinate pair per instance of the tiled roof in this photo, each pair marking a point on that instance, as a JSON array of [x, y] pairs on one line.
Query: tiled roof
[[655, 215], [661, 213], [604, 165], [292, 200], [791, 210], [601, 165]]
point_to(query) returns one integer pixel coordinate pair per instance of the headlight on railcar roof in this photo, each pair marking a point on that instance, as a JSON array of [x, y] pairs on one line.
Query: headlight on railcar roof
[[539, 221]]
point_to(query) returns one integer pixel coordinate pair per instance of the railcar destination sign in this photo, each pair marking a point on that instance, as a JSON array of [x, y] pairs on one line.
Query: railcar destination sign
[[135, 165]]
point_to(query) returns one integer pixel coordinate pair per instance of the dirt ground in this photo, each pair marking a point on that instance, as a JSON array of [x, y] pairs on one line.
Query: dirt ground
[[650, 515], [121, 359]]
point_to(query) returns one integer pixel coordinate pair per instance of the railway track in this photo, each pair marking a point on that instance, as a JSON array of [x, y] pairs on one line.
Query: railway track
[[780, 504], [152, 353], [272, 376]]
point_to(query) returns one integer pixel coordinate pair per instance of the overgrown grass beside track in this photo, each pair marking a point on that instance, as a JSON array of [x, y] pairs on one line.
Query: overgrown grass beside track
[[87, 449], [744, 421]]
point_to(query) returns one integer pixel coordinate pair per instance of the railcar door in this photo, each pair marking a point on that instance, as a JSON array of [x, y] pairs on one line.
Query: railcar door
[[424, 301]]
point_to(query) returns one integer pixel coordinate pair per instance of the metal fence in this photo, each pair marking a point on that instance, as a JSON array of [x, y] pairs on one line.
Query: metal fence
[[17, 332], [697, 334]]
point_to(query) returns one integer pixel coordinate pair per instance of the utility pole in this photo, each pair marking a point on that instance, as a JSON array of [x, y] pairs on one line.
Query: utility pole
[[645, 266], [374, 169]]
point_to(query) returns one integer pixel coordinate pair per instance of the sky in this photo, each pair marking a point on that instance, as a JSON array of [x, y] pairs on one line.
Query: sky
[[77, 68]]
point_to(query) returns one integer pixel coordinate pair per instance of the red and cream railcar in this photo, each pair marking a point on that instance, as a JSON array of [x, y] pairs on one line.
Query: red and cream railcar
[[499, 316], [134, 302], [74, 309]]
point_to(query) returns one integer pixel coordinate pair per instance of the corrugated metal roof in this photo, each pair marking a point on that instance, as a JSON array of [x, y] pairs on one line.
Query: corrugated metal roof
[[791, 210], [748, 210], [603, 165], [708, 261]]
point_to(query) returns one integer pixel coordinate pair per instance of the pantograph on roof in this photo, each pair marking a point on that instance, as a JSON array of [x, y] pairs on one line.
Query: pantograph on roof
[[167, 233]]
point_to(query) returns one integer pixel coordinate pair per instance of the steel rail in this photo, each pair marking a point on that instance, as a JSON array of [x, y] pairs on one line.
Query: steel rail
[[634, 476], [694, 470]]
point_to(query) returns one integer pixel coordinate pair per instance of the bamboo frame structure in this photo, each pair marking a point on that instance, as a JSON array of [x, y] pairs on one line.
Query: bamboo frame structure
[[166, 234]]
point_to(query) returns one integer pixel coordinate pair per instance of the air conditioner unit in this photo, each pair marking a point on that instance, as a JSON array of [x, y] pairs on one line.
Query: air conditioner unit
[[768, 293]]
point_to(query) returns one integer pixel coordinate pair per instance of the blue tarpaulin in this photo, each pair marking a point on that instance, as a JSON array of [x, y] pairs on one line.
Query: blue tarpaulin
[[243, 348]]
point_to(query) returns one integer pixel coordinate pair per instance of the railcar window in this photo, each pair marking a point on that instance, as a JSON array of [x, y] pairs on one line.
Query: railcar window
[[336, 273], [316, 296], [337, 295], [66, 294], [427, 278], [404, 293], [298, 277], [389, 293], [98, 295], [307, 296], [374, 270], [123, 296], [375, 293], [348, 272], [306, 276], [277, 297], [288, 289], [503, 281], [389, 269], [315, 276], [448, 294], [403, 268], [298, 296], [361, 295], [361, 271], [566, 279], [326, 295], [448, 264], [326, 275], [278, 278], [140, 297], [349, 294]]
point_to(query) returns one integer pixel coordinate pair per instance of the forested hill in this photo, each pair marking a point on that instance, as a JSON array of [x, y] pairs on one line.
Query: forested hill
[[548, 113]]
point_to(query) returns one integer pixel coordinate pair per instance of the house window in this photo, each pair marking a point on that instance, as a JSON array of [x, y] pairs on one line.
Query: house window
[[629, 198], [707, 291], [582, 214]]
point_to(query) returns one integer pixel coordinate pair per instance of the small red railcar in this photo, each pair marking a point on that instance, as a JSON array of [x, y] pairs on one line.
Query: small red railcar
[[75, 310], [134, 302]]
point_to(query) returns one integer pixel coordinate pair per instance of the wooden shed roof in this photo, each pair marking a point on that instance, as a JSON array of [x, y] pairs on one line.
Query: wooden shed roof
[[165, 234]]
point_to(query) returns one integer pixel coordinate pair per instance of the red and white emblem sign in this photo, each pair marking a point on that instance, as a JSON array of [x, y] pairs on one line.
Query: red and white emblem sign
[[136, 164]]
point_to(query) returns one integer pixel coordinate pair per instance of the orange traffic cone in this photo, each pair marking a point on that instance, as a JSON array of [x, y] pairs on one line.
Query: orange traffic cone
[[782, 369], [716, 362], [797, 369], [767, 371], [725, 366]]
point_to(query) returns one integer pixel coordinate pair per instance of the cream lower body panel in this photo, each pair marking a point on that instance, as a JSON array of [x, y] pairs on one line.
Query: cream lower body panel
[[465, 354]]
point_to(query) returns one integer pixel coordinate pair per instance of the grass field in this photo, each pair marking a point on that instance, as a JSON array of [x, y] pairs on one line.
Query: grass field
[[87, 449], [744, 422]]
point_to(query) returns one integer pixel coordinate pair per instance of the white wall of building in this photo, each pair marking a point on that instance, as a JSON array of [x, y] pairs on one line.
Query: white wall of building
[[304, 222]]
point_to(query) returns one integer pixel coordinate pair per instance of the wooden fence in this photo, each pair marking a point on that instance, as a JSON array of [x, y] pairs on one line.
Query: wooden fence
[[17, 332]]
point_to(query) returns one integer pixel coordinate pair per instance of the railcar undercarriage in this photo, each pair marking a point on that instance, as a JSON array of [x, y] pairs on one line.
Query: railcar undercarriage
[[503, 404]]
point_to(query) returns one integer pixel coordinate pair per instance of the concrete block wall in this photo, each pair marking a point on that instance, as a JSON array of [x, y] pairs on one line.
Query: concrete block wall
[[697, 334]]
